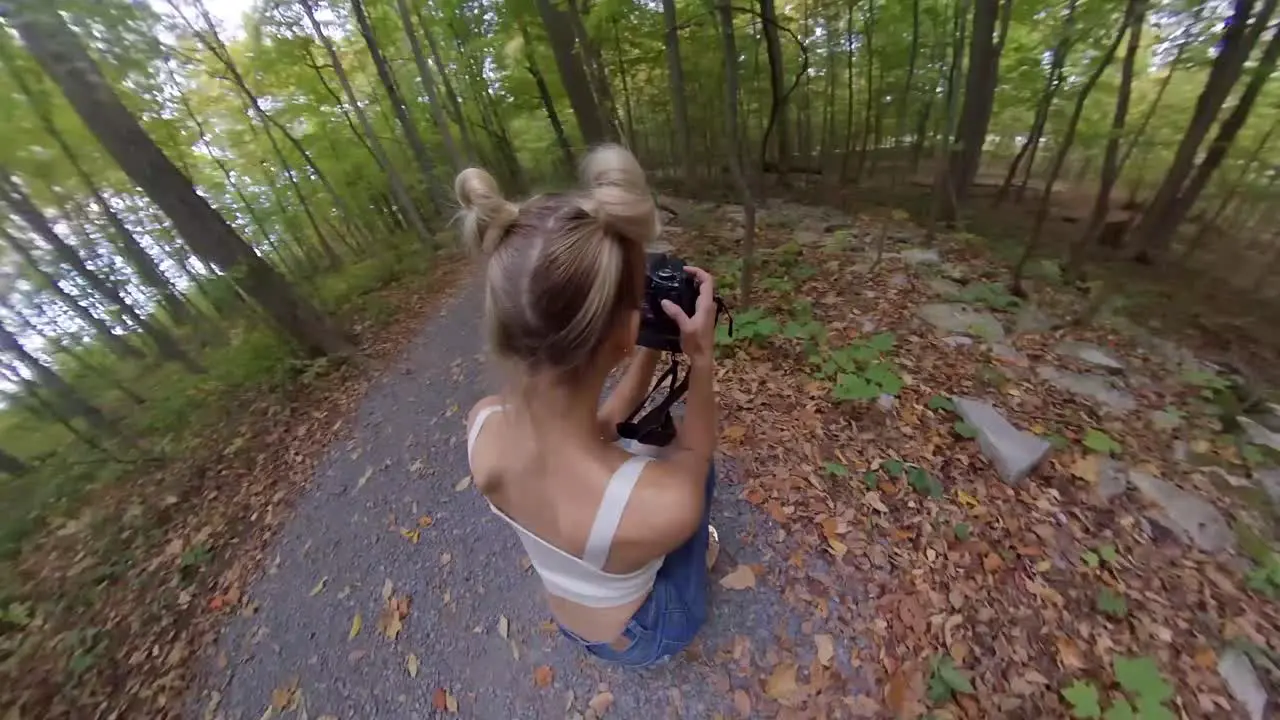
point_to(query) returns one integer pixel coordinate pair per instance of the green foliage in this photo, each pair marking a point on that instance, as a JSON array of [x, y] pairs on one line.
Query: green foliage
[[893, 466], [860, 369], [924, 483], [751, 326], [1108, 554], [1146, 692], [993, 295], [964, 429], [781, 286], [945, 680], [1083, 698], [1112, 603], [1100, 442], [1208, 382], [1090, 559], [870, 480], [962, 531], [941, 402], [1264, 577], [837, 469]]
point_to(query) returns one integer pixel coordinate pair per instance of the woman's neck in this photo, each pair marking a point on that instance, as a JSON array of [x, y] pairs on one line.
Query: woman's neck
[[564, 410]]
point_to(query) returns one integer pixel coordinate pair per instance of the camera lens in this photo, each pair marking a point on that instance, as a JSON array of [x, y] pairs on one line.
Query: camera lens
[[666, 276]]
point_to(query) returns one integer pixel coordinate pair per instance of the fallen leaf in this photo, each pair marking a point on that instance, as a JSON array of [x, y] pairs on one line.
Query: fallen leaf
[[826, 649], [963, 498], [411, 663], [872, 500], [411, 535], [364, 478], [387, 589], [357, 622], [992, 562], [319, 588], [462, 484], [445, 558], [863, 706], [450, 702], [1069, 653], [285, 697], [425, 521], [601, 703], [391, 619], [734, 432], [439, 699], [740, 579], [543, 675], [1087, 468], [503, 626], [742, 703], [782, 682]]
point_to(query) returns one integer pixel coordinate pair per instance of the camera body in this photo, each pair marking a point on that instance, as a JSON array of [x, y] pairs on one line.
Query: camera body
[[665, 280]]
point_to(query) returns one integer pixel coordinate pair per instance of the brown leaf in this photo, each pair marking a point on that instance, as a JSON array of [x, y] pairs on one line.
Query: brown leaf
[[782, 682], [411, 664], [543, 675], [286, 696], [734, 432], [863, 706], [450, 702], [503, 626], [826, 649], [742, 703], [741, 578], [992, 562], [462, 484], [439, 699], [1087, 468], [601, 703], [872, 500], [1069, 653]]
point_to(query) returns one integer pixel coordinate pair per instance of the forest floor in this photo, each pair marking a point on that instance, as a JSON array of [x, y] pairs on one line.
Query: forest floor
[[875, 562]]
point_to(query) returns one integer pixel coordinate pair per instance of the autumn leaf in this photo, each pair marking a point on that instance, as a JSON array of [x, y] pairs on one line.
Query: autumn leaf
[[1069, 653], [439, 699], [391, 619], [992, 562], [285, 697], [503, 626], [734, 432], [826, 649], [741, 578], [411, 535], [319, 588], [462, 484], [411, 663], [872, 500], [357, 622], [601, 703], [543, 675], [364, 478], [450, 702], [387, 589], [425, 521], [1087, 468], [782, 682], [742, 703]]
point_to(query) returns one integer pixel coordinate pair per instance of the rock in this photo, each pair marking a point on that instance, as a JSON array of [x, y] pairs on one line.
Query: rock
[[921, 256], [1238, 673], [1269, 479], [958, 341], [867, 326], [943, 287], [1228, 478], [1013, 452], [886, 402], [1166, 419], [1191, 518], [1180, 450], [1259, 435], [1269, 418], [957, 319], [1113, 479], [1094, 387], [1091, 354], [898, 280], [808, 238], [1031, 319], [1008, 355]]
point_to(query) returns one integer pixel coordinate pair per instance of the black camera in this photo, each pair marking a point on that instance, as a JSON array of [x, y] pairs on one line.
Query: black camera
[[666, 279]]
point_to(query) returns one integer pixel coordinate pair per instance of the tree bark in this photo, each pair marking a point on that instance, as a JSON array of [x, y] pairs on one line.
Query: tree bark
[[675, 79], [1111, 155], [425, 165], [979, 94], [734, 146], [1237, 42], [848, 106], [1151, 109], [907, 86], [531, 64], [777, 90], [868, 28], [398, 187], [594, 63], [573, 74], [944, 192], [1064, 147], [469, 148], [1164, 229], [58, 51], [429, 87]]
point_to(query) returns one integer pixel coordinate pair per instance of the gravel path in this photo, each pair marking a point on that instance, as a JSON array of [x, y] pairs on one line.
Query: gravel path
[[405, 458]]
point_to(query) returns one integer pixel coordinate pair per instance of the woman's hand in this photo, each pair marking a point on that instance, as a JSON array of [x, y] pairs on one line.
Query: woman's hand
[[697, 333]]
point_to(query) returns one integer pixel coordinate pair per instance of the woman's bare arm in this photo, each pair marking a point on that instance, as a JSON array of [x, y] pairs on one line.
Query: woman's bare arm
[[631, 389]]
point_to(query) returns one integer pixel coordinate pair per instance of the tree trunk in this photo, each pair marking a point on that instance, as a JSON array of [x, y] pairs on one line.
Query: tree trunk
[[58, 51], [425, 165], [429, 87], [548, 104], [944, 191], [594, 63], [979, 94], [1237, 42], [1151, 109], [907, 87], [627, 116], [1233, 190], [573, 74], [868, 28], [1167, 225], [45, 376], [398, 187], [1111, 155], [675, 78], [734, 146], [1064, 147], [777, 92], [469, 148], [848, 107]]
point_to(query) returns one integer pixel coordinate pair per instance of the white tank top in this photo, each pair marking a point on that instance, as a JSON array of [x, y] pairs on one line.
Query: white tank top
[[582, 579]]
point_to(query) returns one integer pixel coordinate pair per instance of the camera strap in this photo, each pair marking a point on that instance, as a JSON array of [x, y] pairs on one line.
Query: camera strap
[[631, 428]]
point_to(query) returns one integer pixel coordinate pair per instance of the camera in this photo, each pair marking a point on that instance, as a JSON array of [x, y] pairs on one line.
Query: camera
[[665, 279]]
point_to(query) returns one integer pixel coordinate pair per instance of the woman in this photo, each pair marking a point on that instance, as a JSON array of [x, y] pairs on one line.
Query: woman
[[620, 540]]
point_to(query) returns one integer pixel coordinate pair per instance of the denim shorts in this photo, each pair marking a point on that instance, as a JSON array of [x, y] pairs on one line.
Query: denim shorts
[[676, 607]]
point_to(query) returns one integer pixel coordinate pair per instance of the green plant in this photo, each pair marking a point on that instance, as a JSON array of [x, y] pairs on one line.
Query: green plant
[[870, 479], [1145, 693], [941, 402], [778, 285], [922, 482], [945, 680], [1265, 576], [893, 466], [964, 429], [1209, 383], [751, 326], [860, 370], [193, 559], [1090, 559], [1110, 602], [993, 295], [837, 469], [961, 531], [1100, 442]]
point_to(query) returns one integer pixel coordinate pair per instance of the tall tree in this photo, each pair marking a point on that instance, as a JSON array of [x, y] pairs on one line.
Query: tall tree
[[777, 88], [548, 104], [429, 87], [733, 147], [58, 50], [675, 82], [573, 74], [66, 395], [979, 95]]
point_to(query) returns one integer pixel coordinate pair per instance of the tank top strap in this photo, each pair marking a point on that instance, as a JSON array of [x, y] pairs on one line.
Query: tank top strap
[[478, 423], [608, 517]]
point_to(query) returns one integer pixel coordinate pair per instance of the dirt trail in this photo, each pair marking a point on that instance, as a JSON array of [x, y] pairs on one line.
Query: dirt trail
[[292, 644]]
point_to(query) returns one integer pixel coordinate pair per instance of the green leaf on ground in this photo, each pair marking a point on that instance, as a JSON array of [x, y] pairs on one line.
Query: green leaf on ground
[[1122, 710], [961, 531], [1100, 442], [870, 479], [922, 482], [837, 469], [1112, 603], [1083, 697], [1090, 558], [965, 430], [1108, 554], [1141, 677], [946, 680], [941, 402], [893, 466]]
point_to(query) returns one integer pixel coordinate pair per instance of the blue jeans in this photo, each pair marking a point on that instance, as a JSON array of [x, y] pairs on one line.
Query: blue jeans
[[675, 609]]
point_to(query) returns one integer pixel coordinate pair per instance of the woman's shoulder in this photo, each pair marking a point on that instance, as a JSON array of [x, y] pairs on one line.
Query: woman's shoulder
[[491, 401], [671, 501]]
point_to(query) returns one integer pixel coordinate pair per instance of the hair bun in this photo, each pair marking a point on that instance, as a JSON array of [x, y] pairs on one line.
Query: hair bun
[[486, 215], [619, 193]]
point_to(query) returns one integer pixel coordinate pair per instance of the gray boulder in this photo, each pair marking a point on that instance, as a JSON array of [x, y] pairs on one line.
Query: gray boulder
[[1031, 319], [1095, 387], [1241, 679], [1187, 515], [959, 319], [1009, 355], [1259, 435], [921, 256], [1090, 354], [1269, 479], [944, 288], [1166, 419], [1113, 479], [1013, 452], [958, 341]]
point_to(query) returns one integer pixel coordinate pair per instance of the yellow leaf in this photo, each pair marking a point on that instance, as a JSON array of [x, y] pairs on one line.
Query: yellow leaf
[[1087, 468], [387, 589], [837, 547], [411, 535], [1069, 653], [734, 432], [741, 578], [411, 663], [742, 702], [425, 521], [503, 626], [450, 702], [872, 500], [357, 622], [782, 683], [319, 588], [965, 498], [826, 649], [601, 703], [462, 484]]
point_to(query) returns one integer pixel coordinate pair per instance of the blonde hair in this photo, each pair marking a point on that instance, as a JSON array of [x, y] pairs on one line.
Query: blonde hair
[[561, 269]]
